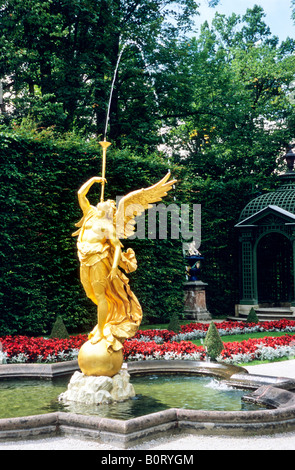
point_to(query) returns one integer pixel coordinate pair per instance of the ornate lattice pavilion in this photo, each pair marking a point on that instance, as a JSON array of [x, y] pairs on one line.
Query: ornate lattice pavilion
[[267, 250]]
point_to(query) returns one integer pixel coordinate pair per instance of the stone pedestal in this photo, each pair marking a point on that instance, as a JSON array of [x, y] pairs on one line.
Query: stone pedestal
[[92, 390], [195, 301]]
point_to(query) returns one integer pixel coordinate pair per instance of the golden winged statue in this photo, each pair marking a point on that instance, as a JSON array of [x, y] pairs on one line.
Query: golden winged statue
[[102, 262]]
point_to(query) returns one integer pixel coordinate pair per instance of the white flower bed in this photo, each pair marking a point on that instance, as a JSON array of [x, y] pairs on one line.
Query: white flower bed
[[263, 353], [24, 358]]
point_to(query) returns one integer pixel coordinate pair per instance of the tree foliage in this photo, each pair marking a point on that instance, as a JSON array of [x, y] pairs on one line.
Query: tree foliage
[[241, 113], [58, 59], [252, 316], [238, 123], [223, 100], [59, 330]]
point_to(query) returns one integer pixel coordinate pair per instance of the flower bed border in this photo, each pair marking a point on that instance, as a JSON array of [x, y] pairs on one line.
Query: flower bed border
[[161, 344]]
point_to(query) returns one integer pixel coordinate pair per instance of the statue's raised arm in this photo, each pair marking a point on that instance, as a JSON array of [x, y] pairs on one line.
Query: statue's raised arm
[[82, 193]]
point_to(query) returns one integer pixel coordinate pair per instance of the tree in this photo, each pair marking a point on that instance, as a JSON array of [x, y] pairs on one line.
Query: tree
[[58, 60], [241, 114], [239, 119], [174, 323]]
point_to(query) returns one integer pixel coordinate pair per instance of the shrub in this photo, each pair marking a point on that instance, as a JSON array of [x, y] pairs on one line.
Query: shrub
[[252, 316], [213, 342], [59, 330], [174, 324]]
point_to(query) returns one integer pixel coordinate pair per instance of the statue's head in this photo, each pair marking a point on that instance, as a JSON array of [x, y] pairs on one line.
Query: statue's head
[[106, 209]]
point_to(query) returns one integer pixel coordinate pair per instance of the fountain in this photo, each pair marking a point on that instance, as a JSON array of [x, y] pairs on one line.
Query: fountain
[[113, 424], [102, 263], [104, 379]]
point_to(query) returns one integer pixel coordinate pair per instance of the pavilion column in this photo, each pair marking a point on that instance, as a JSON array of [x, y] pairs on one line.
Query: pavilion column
[[293, 272], [248, 274]]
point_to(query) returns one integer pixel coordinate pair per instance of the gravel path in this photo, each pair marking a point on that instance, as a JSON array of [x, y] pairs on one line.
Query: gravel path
[[285, 441], [184, 443]]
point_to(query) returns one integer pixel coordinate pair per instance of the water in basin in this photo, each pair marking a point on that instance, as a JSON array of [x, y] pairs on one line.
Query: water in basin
[[24, 397]]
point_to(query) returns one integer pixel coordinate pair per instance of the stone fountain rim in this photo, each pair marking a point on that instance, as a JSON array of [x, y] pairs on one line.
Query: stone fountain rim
[[275, 392], [236, 375]]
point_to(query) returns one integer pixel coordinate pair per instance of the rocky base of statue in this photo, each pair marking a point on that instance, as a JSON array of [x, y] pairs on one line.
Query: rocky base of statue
[[93, 390]]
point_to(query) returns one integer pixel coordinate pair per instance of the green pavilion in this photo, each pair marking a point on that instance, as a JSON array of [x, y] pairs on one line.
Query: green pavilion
[[267, 251]]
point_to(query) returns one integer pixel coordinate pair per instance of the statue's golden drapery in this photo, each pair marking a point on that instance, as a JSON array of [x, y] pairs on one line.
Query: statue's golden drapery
[[124, 312], [102, 263]]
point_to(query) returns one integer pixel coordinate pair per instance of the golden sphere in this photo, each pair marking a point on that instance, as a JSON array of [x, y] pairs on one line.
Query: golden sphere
[[95, 359]]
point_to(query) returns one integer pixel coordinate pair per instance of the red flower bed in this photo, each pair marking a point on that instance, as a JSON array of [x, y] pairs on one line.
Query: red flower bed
[[166, 335], [134, 347], [34, 347], [42, 350], [281, 325], [251, 345]]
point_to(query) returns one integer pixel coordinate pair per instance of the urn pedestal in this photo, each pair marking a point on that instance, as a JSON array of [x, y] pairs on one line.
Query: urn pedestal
[[195, 301]]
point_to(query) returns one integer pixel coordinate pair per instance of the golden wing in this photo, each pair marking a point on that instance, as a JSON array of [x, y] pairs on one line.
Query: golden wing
[[135, 203]]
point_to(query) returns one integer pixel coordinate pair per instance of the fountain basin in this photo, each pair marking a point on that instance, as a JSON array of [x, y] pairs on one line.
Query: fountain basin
[[274, 392]]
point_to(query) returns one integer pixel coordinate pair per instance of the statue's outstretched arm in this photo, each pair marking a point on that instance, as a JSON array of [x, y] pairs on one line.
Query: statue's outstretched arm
[[83, 201]]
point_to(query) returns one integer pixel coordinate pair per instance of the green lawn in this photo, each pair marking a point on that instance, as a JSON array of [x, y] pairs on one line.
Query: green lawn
[[225, 339], [161, 326], [239, 338]]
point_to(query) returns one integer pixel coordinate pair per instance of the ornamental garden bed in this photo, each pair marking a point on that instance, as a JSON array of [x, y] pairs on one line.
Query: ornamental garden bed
[[155, 344]]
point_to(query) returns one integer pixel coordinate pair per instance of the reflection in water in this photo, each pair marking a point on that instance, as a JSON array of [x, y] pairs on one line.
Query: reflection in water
[[23, 397]]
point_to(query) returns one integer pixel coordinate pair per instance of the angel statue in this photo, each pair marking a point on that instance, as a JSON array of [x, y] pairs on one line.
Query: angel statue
[[102, 262]]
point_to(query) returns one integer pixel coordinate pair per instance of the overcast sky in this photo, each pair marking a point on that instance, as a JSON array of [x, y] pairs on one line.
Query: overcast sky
[[278, 14]]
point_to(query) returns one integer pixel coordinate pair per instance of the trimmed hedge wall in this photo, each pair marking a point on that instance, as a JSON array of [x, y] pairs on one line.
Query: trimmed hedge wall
[[39, 272]]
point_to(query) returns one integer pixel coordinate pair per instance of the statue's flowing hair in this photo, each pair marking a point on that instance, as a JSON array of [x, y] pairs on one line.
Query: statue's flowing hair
[[110, 215]]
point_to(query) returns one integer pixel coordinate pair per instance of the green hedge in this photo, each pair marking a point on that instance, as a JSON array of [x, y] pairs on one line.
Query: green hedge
[[39, 273]]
